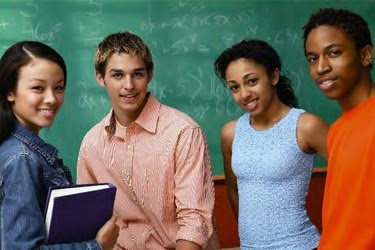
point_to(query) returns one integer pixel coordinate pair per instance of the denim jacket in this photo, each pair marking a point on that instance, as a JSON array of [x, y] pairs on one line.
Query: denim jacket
[[28, 167]]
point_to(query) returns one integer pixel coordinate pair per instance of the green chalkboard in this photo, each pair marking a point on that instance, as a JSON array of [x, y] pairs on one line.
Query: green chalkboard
[[185, 38]]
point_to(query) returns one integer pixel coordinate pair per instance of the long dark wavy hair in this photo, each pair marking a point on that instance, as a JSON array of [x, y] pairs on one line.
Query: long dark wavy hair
[[263, 54], [15, 57]]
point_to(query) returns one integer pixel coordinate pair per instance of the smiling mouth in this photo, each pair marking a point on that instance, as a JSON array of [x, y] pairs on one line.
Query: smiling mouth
[[326, 82], [47, 111], [128, 96], [250, 105]]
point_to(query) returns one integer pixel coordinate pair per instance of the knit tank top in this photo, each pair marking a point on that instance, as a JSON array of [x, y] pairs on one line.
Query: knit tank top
[[273, 176]]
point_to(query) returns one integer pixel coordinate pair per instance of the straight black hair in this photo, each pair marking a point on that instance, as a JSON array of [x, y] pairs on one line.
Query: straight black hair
[[14, 58]]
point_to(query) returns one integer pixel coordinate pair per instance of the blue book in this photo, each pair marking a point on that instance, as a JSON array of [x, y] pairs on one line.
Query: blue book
[[76, 213]]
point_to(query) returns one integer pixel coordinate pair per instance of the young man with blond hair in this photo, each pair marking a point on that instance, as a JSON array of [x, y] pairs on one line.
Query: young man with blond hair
[[157, 156]]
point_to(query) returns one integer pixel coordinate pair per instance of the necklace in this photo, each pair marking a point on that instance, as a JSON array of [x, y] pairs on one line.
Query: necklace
[[273, 121]]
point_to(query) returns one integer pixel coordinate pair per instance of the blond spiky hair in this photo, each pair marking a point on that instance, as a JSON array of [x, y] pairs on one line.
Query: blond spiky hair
[[122, 42]]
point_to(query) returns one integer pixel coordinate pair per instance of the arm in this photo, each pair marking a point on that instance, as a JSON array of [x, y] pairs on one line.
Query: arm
[[22, 220], [312, 134], [227, 135], [84, 171], [108, 234], [194, 190], [187, 245]]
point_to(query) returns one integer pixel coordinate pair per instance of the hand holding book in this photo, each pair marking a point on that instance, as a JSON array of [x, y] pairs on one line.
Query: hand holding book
[[108, 234], [77, 213]]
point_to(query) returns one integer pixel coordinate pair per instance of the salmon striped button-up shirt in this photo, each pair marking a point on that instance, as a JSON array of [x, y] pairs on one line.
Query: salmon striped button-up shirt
[[161, 167]]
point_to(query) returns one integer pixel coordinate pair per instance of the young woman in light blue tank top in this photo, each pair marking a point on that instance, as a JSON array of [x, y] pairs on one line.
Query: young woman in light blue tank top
[[269, 151]]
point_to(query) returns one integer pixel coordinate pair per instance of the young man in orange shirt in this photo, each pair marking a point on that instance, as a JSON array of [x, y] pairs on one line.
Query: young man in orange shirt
[[339, 51], [156, 156]]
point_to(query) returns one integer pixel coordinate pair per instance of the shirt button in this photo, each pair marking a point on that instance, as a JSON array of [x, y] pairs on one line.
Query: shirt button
[[129, 146], [124, 224]]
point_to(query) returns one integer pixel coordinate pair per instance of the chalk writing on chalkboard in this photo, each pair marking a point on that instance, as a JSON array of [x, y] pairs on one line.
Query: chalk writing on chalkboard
[[185, 38]]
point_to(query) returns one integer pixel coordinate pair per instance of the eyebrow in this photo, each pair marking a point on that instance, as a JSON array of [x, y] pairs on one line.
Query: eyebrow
[[332, 46], [329, 47], [37, 79], [247, 75], [140, 69], [42, 80], [120, 70], [243, 78]]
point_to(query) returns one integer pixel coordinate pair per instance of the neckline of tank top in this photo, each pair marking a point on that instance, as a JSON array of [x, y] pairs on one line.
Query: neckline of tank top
[[277, 121]]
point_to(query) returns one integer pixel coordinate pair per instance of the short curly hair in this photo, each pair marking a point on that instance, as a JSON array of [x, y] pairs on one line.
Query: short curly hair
[[349, 22], [122, 42]]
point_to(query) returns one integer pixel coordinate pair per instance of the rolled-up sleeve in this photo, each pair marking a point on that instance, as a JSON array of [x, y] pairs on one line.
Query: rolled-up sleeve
[[194, 189]]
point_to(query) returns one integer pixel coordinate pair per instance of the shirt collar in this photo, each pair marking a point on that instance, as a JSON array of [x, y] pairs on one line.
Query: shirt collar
[[368, 103], [148, 118], [49, 152]]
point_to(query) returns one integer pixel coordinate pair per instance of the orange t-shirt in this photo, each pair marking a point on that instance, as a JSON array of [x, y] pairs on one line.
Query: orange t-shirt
[[349, 199]]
